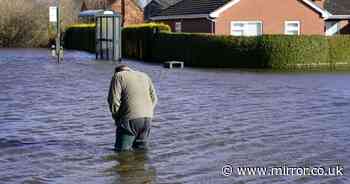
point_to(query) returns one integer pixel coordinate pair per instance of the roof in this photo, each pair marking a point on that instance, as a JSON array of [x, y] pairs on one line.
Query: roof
[[155, 7], [213, 8], [96, 13], [103, 4], [338, 7], [188, 7], [324, 13], [165, 3], [90, 13]]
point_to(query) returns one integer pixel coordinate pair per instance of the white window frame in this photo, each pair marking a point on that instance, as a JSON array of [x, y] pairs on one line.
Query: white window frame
[[178, 26], [287, 29], [260, 32]]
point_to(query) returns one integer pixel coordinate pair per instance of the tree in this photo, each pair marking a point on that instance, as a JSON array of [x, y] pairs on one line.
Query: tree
[[25, 23], [21, 23]]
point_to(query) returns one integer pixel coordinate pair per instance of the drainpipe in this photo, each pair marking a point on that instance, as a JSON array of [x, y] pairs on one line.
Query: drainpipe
[[123, 12]]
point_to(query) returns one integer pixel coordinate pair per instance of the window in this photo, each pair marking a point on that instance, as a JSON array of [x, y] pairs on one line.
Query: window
[[292, 27], [246, 28], [178, 27]]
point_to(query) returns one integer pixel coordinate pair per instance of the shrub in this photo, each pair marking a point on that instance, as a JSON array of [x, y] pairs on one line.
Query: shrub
[[25, 23], [288, 52], [21, 24], [155, 42], [206, 50], [277, 51], [137, 39], [339, 50], [80, 37]]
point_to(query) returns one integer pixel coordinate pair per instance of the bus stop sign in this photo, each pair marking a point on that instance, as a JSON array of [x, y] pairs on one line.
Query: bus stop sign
[[53, 14]]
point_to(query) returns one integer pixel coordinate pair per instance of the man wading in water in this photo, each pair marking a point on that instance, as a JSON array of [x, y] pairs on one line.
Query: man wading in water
[[132, 99]]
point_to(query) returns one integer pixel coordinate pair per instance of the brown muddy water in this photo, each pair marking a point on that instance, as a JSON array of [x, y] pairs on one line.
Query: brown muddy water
[[56, 128]]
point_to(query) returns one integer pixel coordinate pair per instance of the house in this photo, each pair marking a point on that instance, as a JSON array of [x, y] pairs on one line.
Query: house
[[257, 17], [132, 12]]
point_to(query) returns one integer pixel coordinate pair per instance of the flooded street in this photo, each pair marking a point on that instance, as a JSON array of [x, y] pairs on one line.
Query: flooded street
[[56, 126]]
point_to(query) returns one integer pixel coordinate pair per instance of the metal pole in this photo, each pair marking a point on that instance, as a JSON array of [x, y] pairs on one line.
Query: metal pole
[[58, 39], [113, 38], [101, 50], [120, 43], [107, 37], [96, 38]]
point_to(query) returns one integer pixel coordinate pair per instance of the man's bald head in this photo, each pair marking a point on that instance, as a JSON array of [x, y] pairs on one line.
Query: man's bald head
[[121, 67]]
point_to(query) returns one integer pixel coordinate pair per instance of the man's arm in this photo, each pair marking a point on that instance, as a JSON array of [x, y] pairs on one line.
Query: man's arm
[[114, 97], [152, 93]]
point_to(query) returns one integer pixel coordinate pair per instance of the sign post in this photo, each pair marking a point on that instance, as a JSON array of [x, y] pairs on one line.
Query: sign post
[[55, 18]]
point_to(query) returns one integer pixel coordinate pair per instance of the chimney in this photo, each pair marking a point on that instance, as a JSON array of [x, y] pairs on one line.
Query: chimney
[[319, 3]]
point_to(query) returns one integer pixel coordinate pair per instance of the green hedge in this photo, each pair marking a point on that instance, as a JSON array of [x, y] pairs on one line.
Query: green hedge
[[277, 51], [293, 52], [339, 51], [155, 43], [137, 40], [80, 37], [270, 51], [205, 50]]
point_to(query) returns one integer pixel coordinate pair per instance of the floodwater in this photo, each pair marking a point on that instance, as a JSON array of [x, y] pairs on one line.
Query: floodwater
[[56, 128]]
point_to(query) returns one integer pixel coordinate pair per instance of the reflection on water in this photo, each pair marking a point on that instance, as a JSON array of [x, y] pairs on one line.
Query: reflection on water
[[132, 167], [56, 128]]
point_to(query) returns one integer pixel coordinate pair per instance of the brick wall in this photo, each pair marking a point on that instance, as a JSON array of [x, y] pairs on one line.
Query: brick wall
[[273, 14], [133, 13]]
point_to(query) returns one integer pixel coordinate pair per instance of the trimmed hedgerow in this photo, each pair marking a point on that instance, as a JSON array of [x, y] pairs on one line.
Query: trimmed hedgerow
[[288, 52], [155, 43], [339, 51], [137, 39], [80, 37], [277, 51], [206, 50]]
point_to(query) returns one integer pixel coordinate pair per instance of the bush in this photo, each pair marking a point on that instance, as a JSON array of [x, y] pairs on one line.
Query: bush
[[339, 50], [277, 51], [25, 23], [137, 40], [21, 24], [155, 42], [288, 52], [269, 51], [206, 50], [80, 37]]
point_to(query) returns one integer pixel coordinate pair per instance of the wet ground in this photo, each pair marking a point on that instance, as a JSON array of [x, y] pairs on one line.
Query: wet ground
[[56, 128]]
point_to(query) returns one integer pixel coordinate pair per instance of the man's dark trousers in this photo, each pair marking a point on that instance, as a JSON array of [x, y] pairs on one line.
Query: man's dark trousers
[[132, 134]]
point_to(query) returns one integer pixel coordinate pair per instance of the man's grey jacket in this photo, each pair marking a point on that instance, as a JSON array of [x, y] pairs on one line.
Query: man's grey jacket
[[131, 96]]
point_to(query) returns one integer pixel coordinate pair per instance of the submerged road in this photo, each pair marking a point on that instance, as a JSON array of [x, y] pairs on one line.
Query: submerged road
[[56, 128]]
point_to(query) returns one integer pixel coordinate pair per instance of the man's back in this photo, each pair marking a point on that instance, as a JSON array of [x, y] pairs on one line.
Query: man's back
[[137, 95]]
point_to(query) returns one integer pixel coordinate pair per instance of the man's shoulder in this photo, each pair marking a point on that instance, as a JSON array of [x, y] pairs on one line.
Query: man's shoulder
[[138, 73], [127, 74], [120, 74], [143, 74]]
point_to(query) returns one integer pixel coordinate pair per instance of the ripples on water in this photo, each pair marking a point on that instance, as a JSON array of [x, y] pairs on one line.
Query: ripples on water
[[56, 128]]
